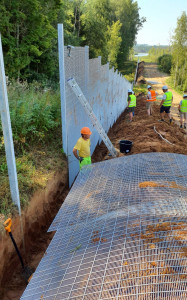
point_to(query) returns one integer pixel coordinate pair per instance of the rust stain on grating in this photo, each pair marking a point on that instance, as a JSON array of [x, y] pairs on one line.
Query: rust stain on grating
[[171, 184]]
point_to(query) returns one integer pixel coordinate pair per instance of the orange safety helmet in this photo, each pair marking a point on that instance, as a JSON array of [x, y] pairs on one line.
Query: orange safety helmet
[[86, 130]]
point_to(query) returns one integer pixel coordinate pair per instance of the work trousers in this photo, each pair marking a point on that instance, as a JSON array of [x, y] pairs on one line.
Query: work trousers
[[85, 161]]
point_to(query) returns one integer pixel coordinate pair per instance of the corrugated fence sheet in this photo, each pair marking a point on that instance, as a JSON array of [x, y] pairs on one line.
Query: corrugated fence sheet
[[105, 90]]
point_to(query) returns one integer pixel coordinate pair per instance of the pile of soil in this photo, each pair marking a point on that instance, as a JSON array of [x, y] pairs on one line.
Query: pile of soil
[[140, 73], [141, 131]]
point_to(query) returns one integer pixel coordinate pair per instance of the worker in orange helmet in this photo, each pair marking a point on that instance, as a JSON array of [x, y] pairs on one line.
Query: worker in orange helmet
[[151, 97], [82, 148]]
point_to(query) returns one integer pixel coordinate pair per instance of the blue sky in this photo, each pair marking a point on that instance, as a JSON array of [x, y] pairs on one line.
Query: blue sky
[[161, 21]]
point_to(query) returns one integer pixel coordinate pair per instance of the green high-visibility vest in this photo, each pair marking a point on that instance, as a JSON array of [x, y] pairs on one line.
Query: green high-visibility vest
[[184, 106], [168, 100], [133, 101]]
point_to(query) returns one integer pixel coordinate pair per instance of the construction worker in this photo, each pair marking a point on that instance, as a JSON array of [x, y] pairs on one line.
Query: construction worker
[[183, 111], [83, 148], [165, 104], [151, 97], [131, 104]]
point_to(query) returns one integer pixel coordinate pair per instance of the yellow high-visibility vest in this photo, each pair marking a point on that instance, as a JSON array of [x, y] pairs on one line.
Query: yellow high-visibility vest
[[183, 107], [133, 101], [168, 100]]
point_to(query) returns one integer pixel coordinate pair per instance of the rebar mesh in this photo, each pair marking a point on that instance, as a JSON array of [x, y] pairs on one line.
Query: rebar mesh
[[120, 234]]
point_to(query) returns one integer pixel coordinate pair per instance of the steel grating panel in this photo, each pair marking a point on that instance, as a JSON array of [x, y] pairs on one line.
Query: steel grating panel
[[120, 234]]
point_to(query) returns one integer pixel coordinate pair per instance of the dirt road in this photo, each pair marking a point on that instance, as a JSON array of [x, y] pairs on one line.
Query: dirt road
[[157, 79]]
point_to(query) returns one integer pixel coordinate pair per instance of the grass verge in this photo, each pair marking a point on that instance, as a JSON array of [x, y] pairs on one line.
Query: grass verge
[[36, 127]]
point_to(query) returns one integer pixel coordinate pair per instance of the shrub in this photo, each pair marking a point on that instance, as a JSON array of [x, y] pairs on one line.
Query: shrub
[[35, 113], [165, 63]]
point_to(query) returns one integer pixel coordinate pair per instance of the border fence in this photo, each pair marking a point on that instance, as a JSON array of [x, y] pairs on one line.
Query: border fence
[[105, 89]]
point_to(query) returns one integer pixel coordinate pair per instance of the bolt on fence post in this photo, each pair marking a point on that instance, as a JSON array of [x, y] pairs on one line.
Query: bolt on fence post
[[62, 85], [7, 133]]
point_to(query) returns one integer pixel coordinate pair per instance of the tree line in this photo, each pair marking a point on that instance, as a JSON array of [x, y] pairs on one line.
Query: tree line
[[29, 33], [173, 60], [144, 48], [179, 54]]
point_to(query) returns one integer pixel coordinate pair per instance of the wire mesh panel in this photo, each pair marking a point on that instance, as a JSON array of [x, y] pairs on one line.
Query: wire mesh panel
[[120, 234]]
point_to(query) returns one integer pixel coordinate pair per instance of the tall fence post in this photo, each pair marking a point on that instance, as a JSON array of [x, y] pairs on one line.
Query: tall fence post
[[7, 133], [62, 85], [86, 69]]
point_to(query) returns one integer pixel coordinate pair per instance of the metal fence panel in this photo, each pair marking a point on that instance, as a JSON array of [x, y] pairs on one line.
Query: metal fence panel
[[105, 90]]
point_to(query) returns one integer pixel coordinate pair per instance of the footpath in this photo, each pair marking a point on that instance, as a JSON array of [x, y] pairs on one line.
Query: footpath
[[157, 79]]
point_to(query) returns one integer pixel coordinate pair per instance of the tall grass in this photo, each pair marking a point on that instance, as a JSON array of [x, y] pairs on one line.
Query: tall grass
[[35, 119], [34, 112]]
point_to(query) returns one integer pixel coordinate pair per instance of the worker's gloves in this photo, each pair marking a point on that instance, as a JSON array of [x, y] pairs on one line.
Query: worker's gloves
[[80, 158]]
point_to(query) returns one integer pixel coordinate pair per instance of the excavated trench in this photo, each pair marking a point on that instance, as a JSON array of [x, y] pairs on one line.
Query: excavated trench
[[36, 221], [45, 205]]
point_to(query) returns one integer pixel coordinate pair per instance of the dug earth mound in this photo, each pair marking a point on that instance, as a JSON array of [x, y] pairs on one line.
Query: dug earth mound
[[141, 131]]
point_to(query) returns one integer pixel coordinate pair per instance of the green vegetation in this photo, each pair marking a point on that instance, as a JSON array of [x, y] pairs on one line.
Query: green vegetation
[[140, 89], [36, 126], [173, 59], [144, 48], [155, 52], [114, 42], [35, 113], [29, 38], [165, 63], [129, 69], [29, 33], [179, 55]]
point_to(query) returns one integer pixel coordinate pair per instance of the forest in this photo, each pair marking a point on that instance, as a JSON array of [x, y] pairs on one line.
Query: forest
[[29, 33]]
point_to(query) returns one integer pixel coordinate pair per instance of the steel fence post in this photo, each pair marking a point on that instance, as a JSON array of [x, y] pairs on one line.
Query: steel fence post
[[7, 133], [62, 85], [86, 74]]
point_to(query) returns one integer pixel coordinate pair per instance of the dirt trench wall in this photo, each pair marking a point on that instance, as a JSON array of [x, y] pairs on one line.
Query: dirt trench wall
[[36, 219], [139, 77]]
